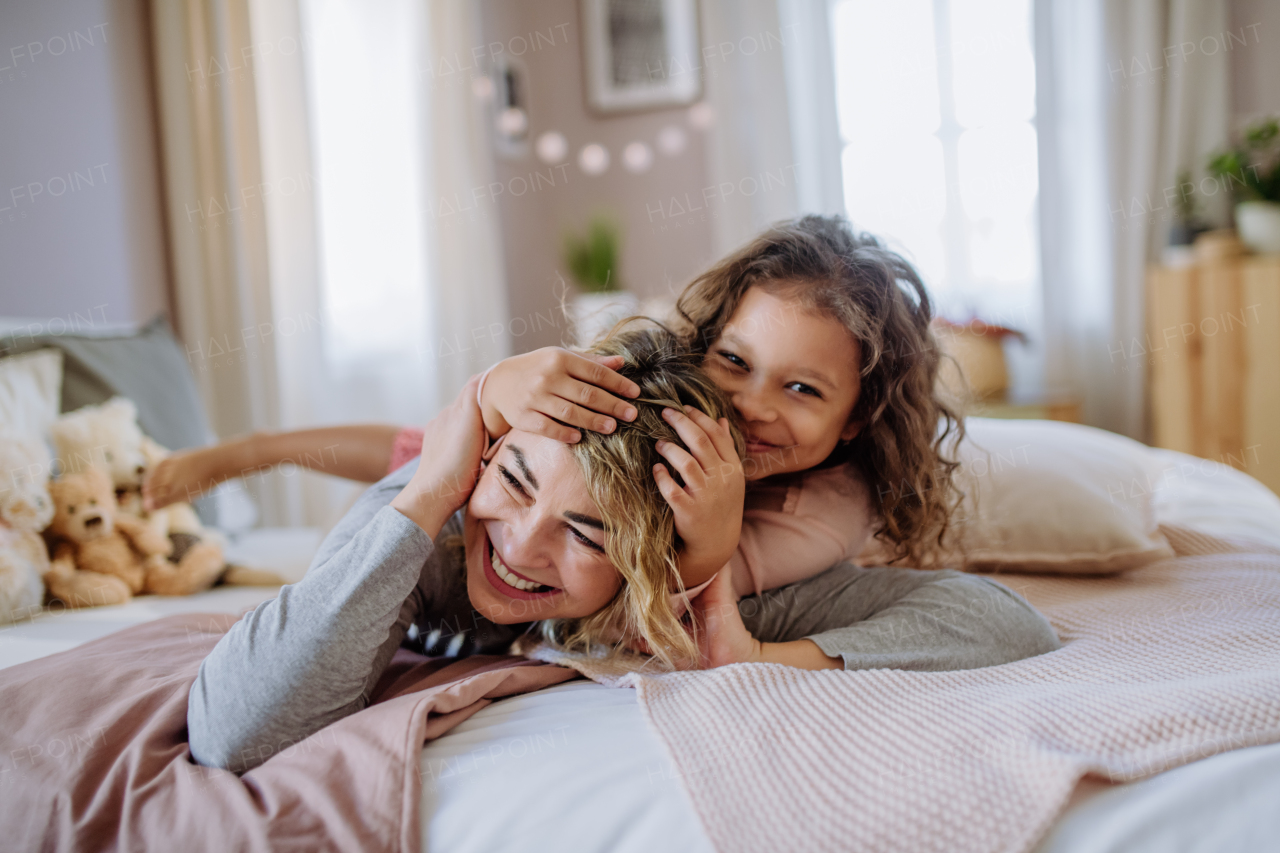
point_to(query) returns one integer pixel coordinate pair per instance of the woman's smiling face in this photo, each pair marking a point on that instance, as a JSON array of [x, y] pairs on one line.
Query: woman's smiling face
[[534, 536]]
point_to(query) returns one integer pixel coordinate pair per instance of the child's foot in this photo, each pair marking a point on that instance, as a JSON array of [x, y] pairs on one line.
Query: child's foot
[[183, 476]]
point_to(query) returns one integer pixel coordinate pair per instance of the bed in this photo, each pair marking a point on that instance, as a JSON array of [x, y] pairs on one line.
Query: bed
[[580, 766]]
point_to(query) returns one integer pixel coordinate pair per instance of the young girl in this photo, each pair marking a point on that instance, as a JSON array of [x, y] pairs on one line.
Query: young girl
[[821, 338]]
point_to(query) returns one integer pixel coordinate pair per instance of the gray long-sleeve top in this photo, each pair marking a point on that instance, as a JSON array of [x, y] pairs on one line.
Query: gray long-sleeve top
[[313, 654]]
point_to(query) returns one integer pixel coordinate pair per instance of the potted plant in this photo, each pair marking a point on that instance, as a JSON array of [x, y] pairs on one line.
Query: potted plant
[[592, 260], [1188, 225], [1252, 171]]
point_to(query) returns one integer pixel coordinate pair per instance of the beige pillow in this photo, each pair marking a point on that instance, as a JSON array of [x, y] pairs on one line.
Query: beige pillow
[[1044, 496]]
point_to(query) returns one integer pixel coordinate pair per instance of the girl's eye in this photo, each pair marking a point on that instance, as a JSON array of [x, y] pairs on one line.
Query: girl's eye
[[733, 359], [584, 540], [512, 481], [801, 388]]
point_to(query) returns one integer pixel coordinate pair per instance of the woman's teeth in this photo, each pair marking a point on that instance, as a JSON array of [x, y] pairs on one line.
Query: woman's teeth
[[510, 579]]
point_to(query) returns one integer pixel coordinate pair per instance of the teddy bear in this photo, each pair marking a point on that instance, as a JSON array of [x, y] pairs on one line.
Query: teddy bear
[[25, 510], [92, 535], [107, 436]]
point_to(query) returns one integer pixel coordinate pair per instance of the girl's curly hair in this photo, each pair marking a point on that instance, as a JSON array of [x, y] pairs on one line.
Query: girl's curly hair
[[905, 448]]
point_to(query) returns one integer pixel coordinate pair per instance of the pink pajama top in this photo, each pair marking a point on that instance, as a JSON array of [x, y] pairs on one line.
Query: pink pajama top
[[792, 529]]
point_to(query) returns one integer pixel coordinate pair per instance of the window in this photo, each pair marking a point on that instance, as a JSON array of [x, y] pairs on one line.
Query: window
[[366, 141], [936, 107]]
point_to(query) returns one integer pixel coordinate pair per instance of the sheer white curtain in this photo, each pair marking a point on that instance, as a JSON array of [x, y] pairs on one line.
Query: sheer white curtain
[[468, 322], [745, 82], [809, 64], [350, 299], [1123, 105], [208, 115], [367, 139]]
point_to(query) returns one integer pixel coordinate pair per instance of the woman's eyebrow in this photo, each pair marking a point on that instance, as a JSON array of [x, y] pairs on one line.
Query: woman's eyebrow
[[523, 465], [584, 519]]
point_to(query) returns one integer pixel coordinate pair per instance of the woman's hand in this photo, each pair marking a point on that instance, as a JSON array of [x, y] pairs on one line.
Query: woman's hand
[[453, 443], [724, 639], [708, 509], [535, 390]]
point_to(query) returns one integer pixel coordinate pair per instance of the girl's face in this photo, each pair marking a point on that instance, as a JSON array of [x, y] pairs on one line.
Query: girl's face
[[534, 537], [793, 378]]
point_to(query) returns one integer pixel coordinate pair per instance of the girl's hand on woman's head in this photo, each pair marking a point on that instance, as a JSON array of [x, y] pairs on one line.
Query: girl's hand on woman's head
[[708, 508], [534, 391], [453, 443]]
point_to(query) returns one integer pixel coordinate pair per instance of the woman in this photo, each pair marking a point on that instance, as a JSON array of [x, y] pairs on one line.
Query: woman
[[572, 538]]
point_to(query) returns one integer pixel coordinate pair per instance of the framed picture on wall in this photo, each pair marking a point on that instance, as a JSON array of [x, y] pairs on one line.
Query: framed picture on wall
[[640, 54]]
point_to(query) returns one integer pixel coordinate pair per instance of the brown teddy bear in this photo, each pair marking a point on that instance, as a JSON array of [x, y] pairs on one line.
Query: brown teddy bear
[[91, 536], [25, 571], [107, 436]]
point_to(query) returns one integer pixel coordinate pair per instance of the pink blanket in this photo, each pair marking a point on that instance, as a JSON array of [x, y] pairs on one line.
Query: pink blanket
[[1160, 667], [93, 751]]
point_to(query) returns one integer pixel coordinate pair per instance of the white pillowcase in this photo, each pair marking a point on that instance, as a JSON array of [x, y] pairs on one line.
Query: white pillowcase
[[1215, 499], [31, 392]]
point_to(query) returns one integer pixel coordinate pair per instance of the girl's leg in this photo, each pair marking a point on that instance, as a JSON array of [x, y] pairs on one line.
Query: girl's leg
[[359, 452]]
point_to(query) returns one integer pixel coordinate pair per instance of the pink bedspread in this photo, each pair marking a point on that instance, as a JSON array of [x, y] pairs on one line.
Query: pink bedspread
[[93, 751], [1161, 666]]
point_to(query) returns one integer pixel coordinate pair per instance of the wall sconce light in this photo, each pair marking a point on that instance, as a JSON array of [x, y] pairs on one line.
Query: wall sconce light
[[510, 110]]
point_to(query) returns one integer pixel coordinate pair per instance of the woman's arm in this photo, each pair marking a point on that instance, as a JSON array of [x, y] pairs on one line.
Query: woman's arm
[[314, 653], [878, 618], [311, 655]]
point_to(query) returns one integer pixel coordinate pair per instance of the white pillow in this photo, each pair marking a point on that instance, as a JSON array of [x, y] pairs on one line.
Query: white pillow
[[1214, 499], [31, 392], [1045, 496]]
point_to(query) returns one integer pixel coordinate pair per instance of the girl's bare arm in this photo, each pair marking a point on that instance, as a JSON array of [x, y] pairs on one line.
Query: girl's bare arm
[[359, 452]]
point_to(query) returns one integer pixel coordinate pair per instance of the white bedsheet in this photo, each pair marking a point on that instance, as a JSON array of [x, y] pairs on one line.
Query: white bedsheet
[[54, 632], [567, 769], [1226, 804], [286, 551]]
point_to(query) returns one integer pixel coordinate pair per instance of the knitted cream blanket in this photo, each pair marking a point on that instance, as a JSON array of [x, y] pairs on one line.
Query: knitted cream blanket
[[1160, 666]]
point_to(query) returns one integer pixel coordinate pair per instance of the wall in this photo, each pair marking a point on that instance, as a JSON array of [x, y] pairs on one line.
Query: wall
[[81, 230], [662, 248], [1255, 68]]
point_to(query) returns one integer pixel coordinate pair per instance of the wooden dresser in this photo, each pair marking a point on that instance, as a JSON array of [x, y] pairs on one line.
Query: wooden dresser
[[1213, 355]]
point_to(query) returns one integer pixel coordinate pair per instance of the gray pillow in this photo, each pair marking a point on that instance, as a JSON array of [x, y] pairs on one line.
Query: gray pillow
[[149, 367]]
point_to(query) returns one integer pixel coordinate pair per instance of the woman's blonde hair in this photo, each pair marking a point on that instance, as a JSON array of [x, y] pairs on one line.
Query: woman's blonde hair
[[640, 535], [905, 447]]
